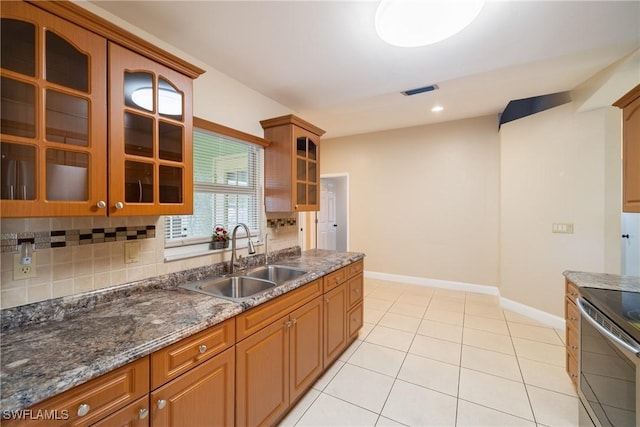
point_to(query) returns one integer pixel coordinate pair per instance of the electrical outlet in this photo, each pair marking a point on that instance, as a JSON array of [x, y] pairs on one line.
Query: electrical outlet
[[24, 271], [131, 252]]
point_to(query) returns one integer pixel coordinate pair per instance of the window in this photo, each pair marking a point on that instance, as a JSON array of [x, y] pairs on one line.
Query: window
[[227, 175]]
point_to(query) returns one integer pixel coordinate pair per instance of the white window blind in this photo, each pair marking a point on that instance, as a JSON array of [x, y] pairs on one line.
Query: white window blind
[[227, 189]]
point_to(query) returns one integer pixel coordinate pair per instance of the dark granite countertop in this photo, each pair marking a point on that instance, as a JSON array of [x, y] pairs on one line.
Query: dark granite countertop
[[47, 348], [604, 281]]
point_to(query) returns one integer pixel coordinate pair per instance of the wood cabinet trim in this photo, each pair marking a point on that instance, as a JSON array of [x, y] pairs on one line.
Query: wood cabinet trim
[[230, 132], [176, 359], [628, 97], [291, 119], [83, 17]]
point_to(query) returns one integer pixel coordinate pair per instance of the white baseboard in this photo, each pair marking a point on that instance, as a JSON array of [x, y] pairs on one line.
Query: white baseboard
[[535, 314], [538, 315]]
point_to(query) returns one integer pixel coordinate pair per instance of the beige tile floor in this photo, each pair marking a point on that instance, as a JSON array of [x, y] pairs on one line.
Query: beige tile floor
[[437, 357]]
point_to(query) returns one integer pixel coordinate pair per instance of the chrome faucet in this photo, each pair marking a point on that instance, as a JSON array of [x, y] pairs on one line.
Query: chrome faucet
[[266, 247], [235, 260]]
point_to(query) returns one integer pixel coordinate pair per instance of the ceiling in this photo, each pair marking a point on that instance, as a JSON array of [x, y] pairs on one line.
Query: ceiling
[[323, 60]]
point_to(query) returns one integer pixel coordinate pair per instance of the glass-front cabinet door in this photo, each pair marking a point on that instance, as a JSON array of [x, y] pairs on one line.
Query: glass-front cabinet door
[[150, 143], [53, 116], [306, 170]]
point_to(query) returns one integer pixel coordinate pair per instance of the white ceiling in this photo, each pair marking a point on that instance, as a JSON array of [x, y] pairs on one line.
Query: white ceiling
[[323, 60]]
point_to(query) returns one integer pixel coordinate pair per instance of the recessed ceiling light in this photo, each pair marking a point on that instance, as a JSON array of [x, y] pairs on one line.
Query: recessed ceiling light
[[437, 108], [412, 23]]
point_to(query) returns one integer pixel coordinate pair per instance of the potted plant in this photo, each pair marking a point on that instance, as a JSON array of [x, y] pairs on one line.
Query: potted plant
[[219, 238]]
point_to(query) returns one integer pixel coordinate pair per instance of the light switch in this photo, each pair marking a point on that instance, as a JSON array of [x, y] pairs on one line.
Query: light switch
[[131, 252], [564, 228]]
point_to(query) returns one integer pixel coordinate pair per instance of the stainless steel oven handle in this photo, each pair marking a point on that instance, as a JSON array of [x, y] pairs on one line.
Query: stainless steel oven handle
[[604, 331]]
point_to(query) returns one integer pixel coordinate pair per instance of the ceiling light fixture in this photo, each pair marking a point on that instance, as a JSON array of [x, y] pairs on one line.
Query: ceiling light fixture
[[169, 102], [412, 23], [437, 108]]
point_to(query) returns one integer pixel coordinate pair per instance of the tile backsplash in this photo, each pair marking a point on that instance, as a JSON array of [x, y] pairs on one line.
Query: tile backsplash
[[76, 255]]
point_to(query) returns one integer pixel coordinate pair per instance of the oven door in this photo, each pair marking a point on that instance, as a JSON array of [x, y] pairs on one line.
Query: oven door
[[609, 374]]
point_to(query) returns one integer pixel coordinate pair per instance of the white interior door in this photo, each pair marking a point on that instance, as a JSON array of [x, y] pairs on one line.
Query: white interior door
[[327, 218], [631, 244]]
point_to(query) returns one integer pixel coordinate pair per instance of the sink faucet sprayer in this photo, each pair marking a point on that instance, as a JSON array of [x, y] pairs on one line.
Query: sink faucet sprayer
[[235, 261]]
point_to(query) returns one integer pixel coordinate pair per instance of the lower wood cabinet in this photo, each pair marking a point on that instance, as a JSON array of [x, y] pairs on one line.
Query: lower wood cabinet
[[281, 348], [201, 397], [343, 310], [335, 329], [133, 415], [572, 321], [275, 365]]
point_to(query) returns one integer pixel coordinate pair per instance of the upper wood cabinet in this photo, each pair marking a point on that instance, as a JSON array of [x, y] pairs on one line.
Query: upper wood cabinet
[[292, 165], [630, 103], [150, 137], [56, 114], [53, 120]]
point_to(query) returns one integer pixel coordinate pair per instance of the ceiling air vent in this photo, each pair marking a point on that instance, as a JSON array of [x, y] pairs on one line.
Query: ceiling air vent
[[411, 92]]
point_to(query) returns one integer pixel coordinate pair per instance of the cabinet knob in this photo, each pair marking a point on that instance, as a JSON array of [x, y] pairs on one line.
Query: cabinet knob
[[119, 205], [161, 403], [101, 204], [287, 323], [143, 413], [83, 409], [202, 349], [294, 321]]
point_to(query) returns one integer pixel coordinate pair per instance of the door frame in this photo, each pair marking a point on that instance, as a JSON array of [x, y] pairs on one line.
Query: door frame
[[342, 203]]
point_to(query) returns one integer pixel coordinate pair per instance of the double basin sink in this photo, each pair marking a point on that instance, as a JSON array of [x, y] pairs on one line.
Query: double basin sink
[[247, 284]]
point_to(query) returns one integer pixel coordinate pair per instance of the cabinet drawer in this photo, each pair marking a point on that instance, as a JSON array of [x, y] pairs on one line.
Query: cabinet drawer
[[336, 278], [97, 398], [179, 357], [356, 268], [258, 317], [355, 319], [571, 291], [355, 290]]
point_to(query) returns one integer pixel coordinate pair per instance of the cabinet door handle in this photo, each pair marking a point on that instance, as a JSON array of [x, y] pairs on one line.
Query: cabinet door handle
[[83, 409], [161, 403], [294, 321], [326, 300], [119, 205], [287, 323], [202, 349], [101, 204], [143, 413]]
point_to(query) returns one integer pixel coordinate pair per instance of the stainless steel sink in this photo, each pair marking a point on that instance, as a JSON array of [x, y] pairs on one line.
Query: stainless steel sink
[[276, 273], [234, 288], [247, 284]]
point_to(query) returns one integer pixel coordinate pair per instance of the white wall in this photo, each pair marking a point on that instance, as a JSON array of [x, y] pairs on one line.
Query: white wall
[[424, 200], [558, 166]]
